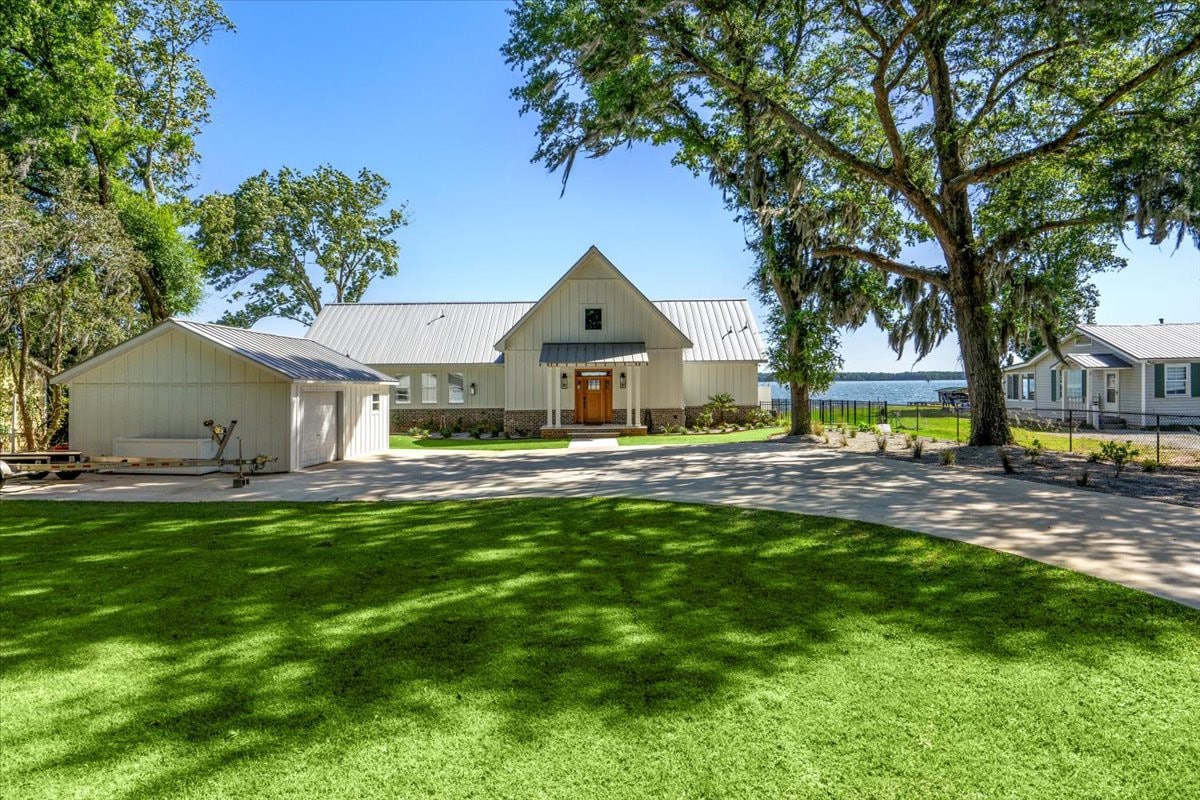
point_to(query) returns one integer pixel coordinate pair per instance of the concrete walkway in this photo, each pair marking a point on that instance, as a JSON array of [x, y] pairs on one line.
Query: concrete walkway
[[1139, 543]]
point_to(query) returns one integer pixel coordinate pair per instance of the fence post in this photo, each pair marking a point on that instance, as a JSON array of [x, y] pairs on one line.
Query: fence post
[[855, 412], [1070, 430], [918, 419], [1158, 438], [957, 437]]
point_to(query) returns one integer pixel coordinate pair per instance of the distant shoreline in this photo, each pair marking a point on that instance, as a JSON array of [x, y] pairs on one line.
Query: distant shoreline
[[932, 375]]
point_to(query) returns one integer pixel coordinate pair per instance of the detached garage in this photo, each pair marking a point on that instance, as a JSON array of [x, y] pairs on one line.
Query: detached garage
[[292, 398]]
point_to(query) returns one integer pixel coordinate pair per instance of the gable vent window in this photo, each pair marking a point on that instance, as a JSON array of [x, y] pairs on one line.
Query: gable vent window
[[593, 319]]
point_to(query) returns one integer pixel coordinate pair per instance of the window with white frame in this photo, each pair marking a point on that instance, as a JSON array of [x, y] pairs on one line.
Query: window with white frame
[[1175, 376], [1027, 386], [376, 402], [403, 389], [455, 382], [428, 387], [1074, 384]]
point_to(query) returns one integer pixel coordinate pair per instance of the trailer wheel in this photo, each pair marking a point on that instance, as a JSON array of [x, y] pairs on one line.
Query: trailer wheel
[[69, 474]]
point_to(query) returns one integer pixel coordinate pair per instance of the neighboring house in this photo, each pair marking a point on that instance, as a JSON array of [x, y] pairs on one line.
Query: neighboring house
[[292, 398], [592, 351], [1131, 372]]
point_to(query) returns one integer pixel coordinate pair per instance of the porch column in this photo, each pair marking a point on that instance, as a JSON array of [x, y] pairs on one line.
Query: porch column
[[628, 396], [549, 388], [637, 397], [1143, 392], [557, 398]]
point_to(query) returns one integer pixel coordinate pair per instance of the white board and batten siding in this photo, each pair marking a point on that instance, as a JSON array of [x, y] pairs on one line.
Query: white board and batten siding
[[322, 431], [488, 380], [702, 379], [165, 389]]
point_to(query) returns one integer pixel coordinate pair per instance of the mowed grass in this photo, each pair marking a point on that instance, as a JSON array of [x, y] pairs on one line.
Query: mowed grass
[[569, 648], [752, 435], [401, 442]]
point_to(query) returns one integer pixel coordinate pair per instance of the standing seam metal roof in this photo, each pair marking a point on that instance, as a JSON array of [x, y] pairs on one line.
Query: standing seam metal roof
[[465, 333], [297, 358], [1177, 340]]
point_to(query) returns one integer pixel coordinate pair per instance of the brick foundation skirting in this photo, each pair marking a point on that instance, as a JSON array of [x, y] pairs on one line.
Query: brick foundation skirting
[[434, 418]]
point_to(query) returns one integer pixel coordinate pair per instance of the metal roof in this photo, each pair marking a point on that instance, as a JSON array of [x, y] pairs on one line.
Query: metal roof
[[720, 330], [558, 353], [1098, 360], [465, 333], [1177, 340], [291, 356], [288, 356], [417, 333]]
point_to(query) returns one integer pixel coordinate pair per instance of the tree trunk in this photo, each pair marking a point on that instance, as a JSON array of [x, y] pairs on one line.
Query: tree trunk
[[801, 415], [153, 298], [981, 359]]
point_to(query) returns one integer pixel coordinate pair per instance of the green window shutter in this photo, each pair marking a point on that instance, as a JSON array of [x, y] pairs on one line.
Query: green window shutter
[[1053, 385], [1083, 383], [1195, 380], [1160, 380]]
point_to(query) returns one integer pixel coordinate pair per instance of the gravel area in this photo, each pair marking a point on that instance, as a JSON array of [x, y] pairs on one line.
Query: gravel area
[[1181, 486]]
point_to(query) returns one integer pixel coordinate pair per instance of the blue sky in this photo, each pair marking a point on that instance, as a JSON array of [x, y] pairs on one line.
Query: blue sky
[[420, 93]]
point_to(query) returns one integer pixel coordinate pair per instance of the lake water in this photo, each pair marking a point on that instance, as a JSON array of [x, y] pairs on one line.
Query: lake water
[[892, 391]]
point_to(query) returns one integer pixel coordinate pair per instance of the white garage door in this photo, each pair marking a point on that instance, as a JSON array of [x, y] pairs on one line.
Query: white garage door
[[318, 428]]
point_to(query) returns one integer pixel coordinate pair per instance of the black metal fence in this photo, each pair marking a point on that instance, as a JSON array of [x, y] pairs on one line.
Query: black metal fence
[[1150, 439]]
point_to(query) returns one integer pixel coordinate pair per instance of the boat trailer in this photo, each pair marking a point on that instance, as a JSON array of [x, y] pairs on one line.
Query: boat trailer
[[70, 464]]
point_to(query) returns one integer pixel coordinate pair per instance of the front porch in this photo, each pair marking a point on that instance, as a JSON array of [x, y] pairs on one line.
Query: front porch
[[596, 378]]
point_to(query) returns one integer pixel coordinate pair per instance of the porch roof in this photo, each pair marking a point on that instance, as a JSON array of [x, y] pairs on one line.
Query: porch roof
[[1099, 361], [556, 354]]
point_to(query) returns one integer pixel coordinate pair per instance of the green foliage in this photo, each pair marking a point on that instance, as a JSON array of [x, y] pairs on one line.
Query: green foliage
[[1149, 465], [290, 236], [174, 264], [721, 404], [1034, 450], [949, 457], [1119, 454], [998, 133]]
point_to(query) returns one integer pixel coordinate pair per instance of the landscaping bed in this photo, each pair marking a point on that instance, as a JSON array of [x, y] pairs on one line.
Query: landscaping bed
[[1181, 486], [568, 648]]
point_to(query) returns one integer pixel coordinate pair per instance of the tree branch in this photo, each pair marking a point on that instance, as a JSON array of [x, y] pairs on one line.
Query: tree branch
[[936, 277], [1077, 128], [1011, 238]]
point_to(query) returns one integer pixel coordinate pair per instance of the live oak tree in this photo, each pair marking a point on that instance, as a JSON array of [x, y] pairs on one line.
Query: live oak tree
[[996, 128], [278, 241]]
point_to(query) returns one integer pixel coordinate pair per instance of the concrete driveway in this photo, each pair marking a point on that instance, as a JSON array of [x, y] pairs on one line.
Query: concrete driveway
[[1143, 544]]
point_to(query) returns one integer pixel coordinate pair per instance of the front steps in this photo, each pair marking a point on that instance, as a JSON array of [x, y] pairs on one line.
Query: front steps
[[592, 431]]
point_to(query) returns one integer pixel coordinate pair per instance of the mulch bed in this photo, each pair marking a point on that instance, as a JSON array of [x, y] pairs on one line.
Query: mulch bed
[[1168, 485]]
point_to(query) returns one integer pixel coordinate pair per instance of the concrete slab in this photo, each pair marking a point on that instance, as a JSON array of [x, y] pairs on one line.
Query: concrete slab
[[593, 444], [1143, 544]]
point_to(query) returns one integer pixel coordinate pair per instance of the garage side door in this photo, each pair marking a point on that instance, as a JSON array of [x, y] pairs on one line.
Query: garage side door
[[318, 428]]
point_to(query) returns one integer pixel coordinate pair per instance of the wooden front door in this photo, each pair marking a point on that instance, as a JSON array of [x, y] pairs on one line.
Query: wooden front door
[[593, 396]]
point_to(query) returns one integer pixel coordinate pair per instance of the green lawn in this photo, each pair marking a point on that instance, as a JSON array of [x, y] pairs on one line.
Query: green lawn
[[399, 442], [752, 435], [569, 648]]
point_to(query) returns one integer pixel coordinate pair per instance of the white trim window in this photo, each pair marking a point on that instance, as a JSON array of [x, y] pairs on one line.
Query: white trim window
[[455, 382], [376, 403], [403, 389], [1074, 384], [1175, 377], [1027, 386], [428, 387]]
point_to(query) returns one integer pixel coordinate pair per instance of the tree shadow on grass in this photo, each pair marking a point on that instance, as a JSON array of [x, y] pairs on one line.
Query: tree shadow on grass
[[284, 619]]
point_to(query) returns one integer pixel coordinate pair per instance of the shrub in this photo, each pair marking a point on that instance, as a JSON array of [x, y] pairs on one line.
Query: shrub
[[704, 419], [759, 417], [918, 448], [720, 404], [949, 458], [1149, 465], [1084, 478], [818, 428], [1034, 451], [844, 442], [909, 440], [881, 442], [853, 433], [1006, 462], [417, 433], [447, 432], [825, 436], [1118, 454]]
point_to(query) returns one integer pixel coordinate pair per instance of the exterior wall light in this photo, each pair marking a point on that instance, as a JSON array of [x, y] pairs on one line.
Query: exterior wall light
[[563, 381], [622, 380], [472, 388]]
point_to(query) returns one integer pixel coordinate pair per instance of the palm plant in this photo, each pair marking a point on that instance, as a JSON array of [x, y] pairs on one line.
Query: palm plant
[[720, 403]]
